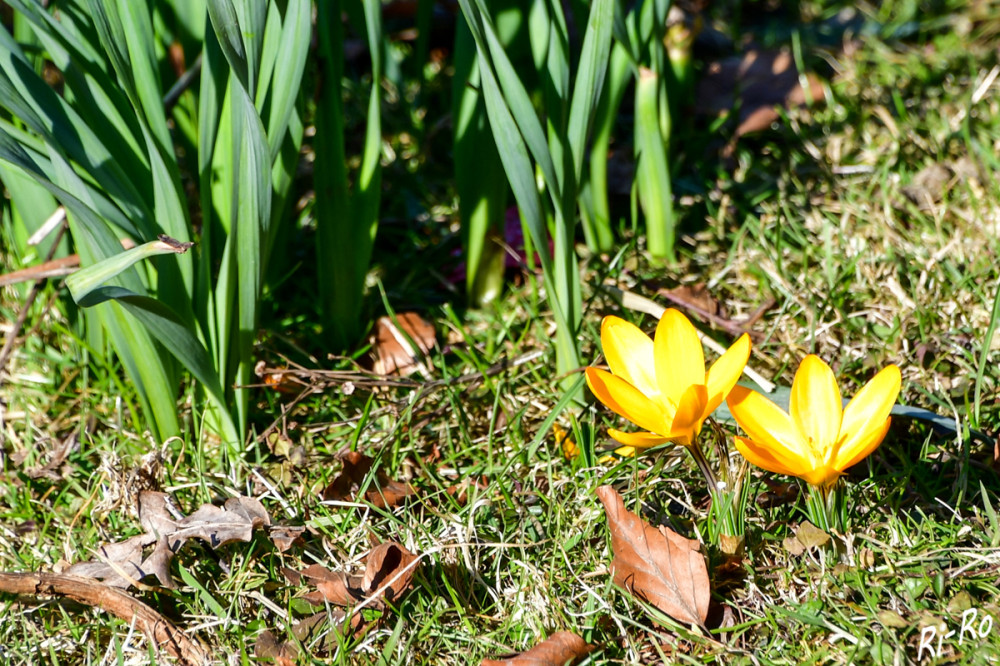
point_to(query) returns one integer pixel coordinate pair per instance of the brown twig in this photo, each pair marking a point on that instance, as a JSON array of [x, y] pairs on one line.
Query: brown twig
[[120, 604], [56, 268], [730, 326]]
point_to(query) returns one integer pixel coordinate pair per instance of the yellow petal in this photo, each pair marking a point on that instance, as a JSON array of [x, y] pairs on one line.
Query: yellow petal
[[725, 372], [625, 400], [862, 448], [761, 456], [865, 416], [629, 352], [815, 406], [623, 451], [638, 440], [680, 361], [823, 476], [690, 413], [770, 427]]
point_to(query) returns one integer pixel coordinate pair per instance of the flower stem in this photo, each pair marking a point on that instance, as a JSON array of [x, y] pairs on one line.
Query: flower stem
[[706, 470], [824, 506]]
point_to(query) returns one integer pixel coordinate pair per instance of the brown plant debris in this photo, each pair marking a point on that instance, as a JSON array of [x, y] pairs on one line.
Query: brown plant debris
[[559, 649], [759, 82], [806, 536], [399, 344], [388, 572], [111, 600], [382, 492], [268, 646], [657, 565], [122, 564]]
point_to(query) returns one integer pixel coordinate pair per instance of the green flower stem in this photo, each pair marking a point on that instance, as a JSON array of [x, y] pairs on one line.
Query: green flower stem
[[824, 505], [702, 462], [728, 500]]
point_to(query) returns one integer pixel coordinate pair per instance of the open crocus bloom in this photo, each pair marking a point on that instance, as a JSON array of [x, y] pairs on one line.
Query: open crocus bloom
[[661, 384], [818, 439]]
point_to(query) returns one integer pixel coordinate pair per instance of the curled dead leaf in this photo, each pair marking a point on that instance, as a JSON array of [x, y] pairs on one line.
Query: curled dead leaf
[[398, 347], [657, 565], [382, 492], [559, 649], [388, 572]]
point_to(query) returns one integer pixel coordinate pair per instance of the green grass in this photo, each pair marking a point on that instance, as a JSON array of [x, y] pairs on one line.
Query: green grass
[[861, 275]]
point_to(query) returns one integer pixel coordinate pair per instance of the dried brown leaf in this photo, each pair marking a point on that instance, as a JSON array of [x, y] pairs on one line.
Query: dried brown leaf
[[383, 492], [811, 536], [117, 564], [388, 566], [121, 564], [657, 565], [761, 82], [334, 587], [283, 536], [559, 649], [392, 351], [268, 646], [697, 296]]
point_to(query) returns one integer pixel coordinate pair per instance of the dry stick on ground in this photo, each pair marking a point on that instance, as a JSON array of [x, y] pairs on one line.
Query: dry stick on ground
[[732, 327], [8, 347], [56, 268], [120, 604], [320, 380]]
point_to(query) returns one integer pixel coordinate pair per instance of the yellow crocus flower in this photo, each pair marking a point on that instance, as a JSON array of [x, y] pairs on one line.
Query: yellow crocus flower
[[818, 439], [661, 385]]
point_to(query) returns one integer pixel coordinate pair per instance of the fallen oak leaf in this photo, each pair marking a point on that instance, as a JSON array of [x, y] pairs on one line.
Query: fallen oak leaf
[[559, 649], [388, 572], [333, 587], [657, 565], [157, 628], [121, 565]]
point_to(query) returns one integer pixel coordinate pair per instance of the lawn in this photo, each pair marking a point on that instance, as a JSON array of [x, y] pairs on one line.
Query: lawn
[[450, 513]]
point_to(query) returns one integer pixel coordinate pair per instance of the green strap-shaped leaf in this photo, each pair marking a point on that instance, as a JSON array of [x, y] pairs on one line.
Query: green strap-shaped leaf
[[653, 169], [239, 25], [85, 281], [591, 71], [168, 329], [493, 56], [126, 33]]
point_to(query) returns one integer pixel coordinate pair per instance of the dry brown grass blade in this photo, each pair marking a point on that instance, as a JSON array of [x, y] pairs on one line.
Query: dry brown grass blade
[[88, 592], [657, 565], [559, 649]]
